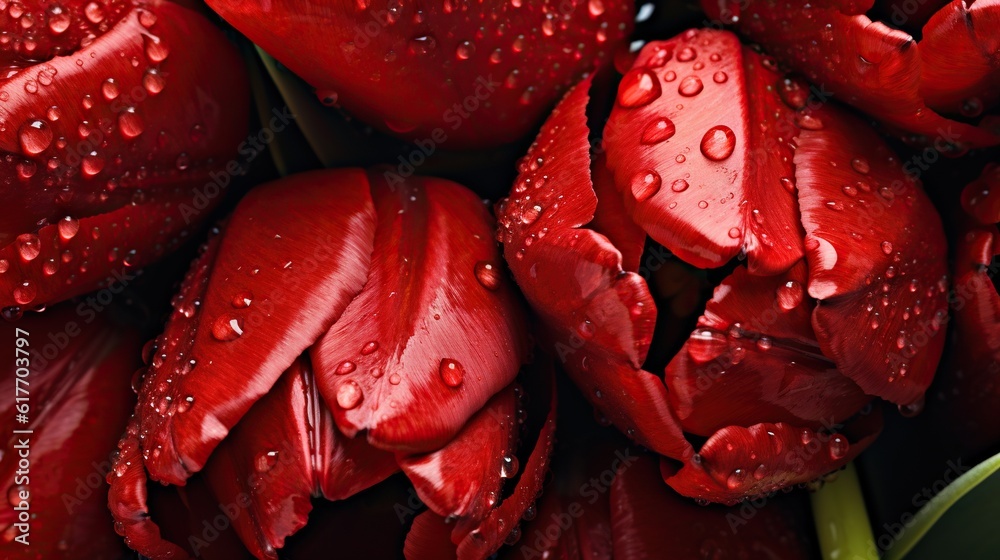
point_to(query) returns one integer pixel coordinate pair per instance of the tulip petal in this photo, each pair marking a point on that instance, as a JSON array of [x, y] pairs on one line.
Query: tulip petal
[[74, 256], [129, 503], [599, 318], [639, 503], [612, 220], [737, 462], [882, 283], [464, 478], [502, 64], [872, 66], [254, 301], [981, 198], [429, 539], [700, 146], [971, 386], [283, 452], [112, 122], [960, 69], [437, 330], [77, 390], [489, 534], [754, 358]]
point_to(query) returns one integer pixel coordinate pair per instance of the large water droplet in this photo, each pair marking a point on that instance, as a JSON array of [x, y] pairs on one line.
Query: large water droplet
[[487, 275], [790, 295], [645, 184], [452, 372], [657, 131], [718, 143], [638, 87], [227, 328], [349, 395], [690, 86], [28, 246], [35, 136]]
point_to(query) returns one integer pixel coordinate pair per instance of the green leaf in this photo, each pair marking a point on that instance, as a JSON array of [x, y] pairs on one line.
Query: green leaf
[[961, 521]]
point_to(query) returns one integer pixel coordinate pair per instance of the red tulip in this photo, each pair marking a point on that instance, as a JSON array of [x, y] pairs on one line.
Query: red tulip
[[936, 87], [442, 72], [114, 117], [339, 328], [71, 374], [713, 155], [971, 386]]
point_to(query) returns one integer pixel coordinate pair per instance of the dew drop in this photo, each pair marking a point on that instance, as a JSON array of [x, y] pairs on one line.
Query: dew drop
[[369, 348], [28, 246], [35, 136], [349, 395], [452, 372], [838, 447], [265, 461], [690, 86], [227, 328], [718, 143], [790, 295], [345, 367], [645, 184], [487, 275], [680, 185], [657, 131], [638, 87]]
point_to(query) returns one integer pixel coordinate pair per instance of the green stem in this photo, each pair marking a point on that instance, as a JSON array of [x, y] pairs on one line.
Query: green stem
[[841, 520]]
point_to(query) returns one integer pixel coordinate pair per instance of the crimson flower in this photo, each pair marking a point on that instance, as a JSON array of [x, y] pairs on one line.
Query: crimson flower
[[111, 115], [937, 87], [336, 330], [971, 386], [483, 73], [713, 154], [77, 394]]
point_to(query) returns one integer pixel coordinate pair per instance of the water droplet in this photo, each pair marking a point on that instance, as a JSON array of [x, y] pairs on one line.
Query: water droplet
[[718, 143], [790, 295], [369, 348], [153, 81], [345, 367], [109, 89], [129, 123], [242, 300], [349, 394], [736, 479], [227, 328], [487, 275], [680, 185], [185, 404], [508, 466], [720, 77], [35, 136], [657, 131], [887, 247], [638, 87], [28, 246], [687, 54], [452, 372], [25, 293], [808, 121], [423, 44], [465, 50], [265, 461], [156, 50], [92, 164], [838, 446], [690, 86], [912, 409], [645, 184]]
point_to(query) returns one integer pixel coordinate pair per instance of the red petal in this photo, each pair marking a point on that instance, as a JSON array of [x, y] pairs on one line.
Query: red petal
[[77, 124], [503, 63], [881, 282], [489, 535], [640, 503], [736, 462], [464, 478], [436, 332], [429, 539], [971, 388], [754, 358], [701, 157], [612, 220], [294, 254], [281, 454], [78, 396], [981, 198], [599, 318], [870, 65], [128, 500], [960, 70], [103, 251]]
